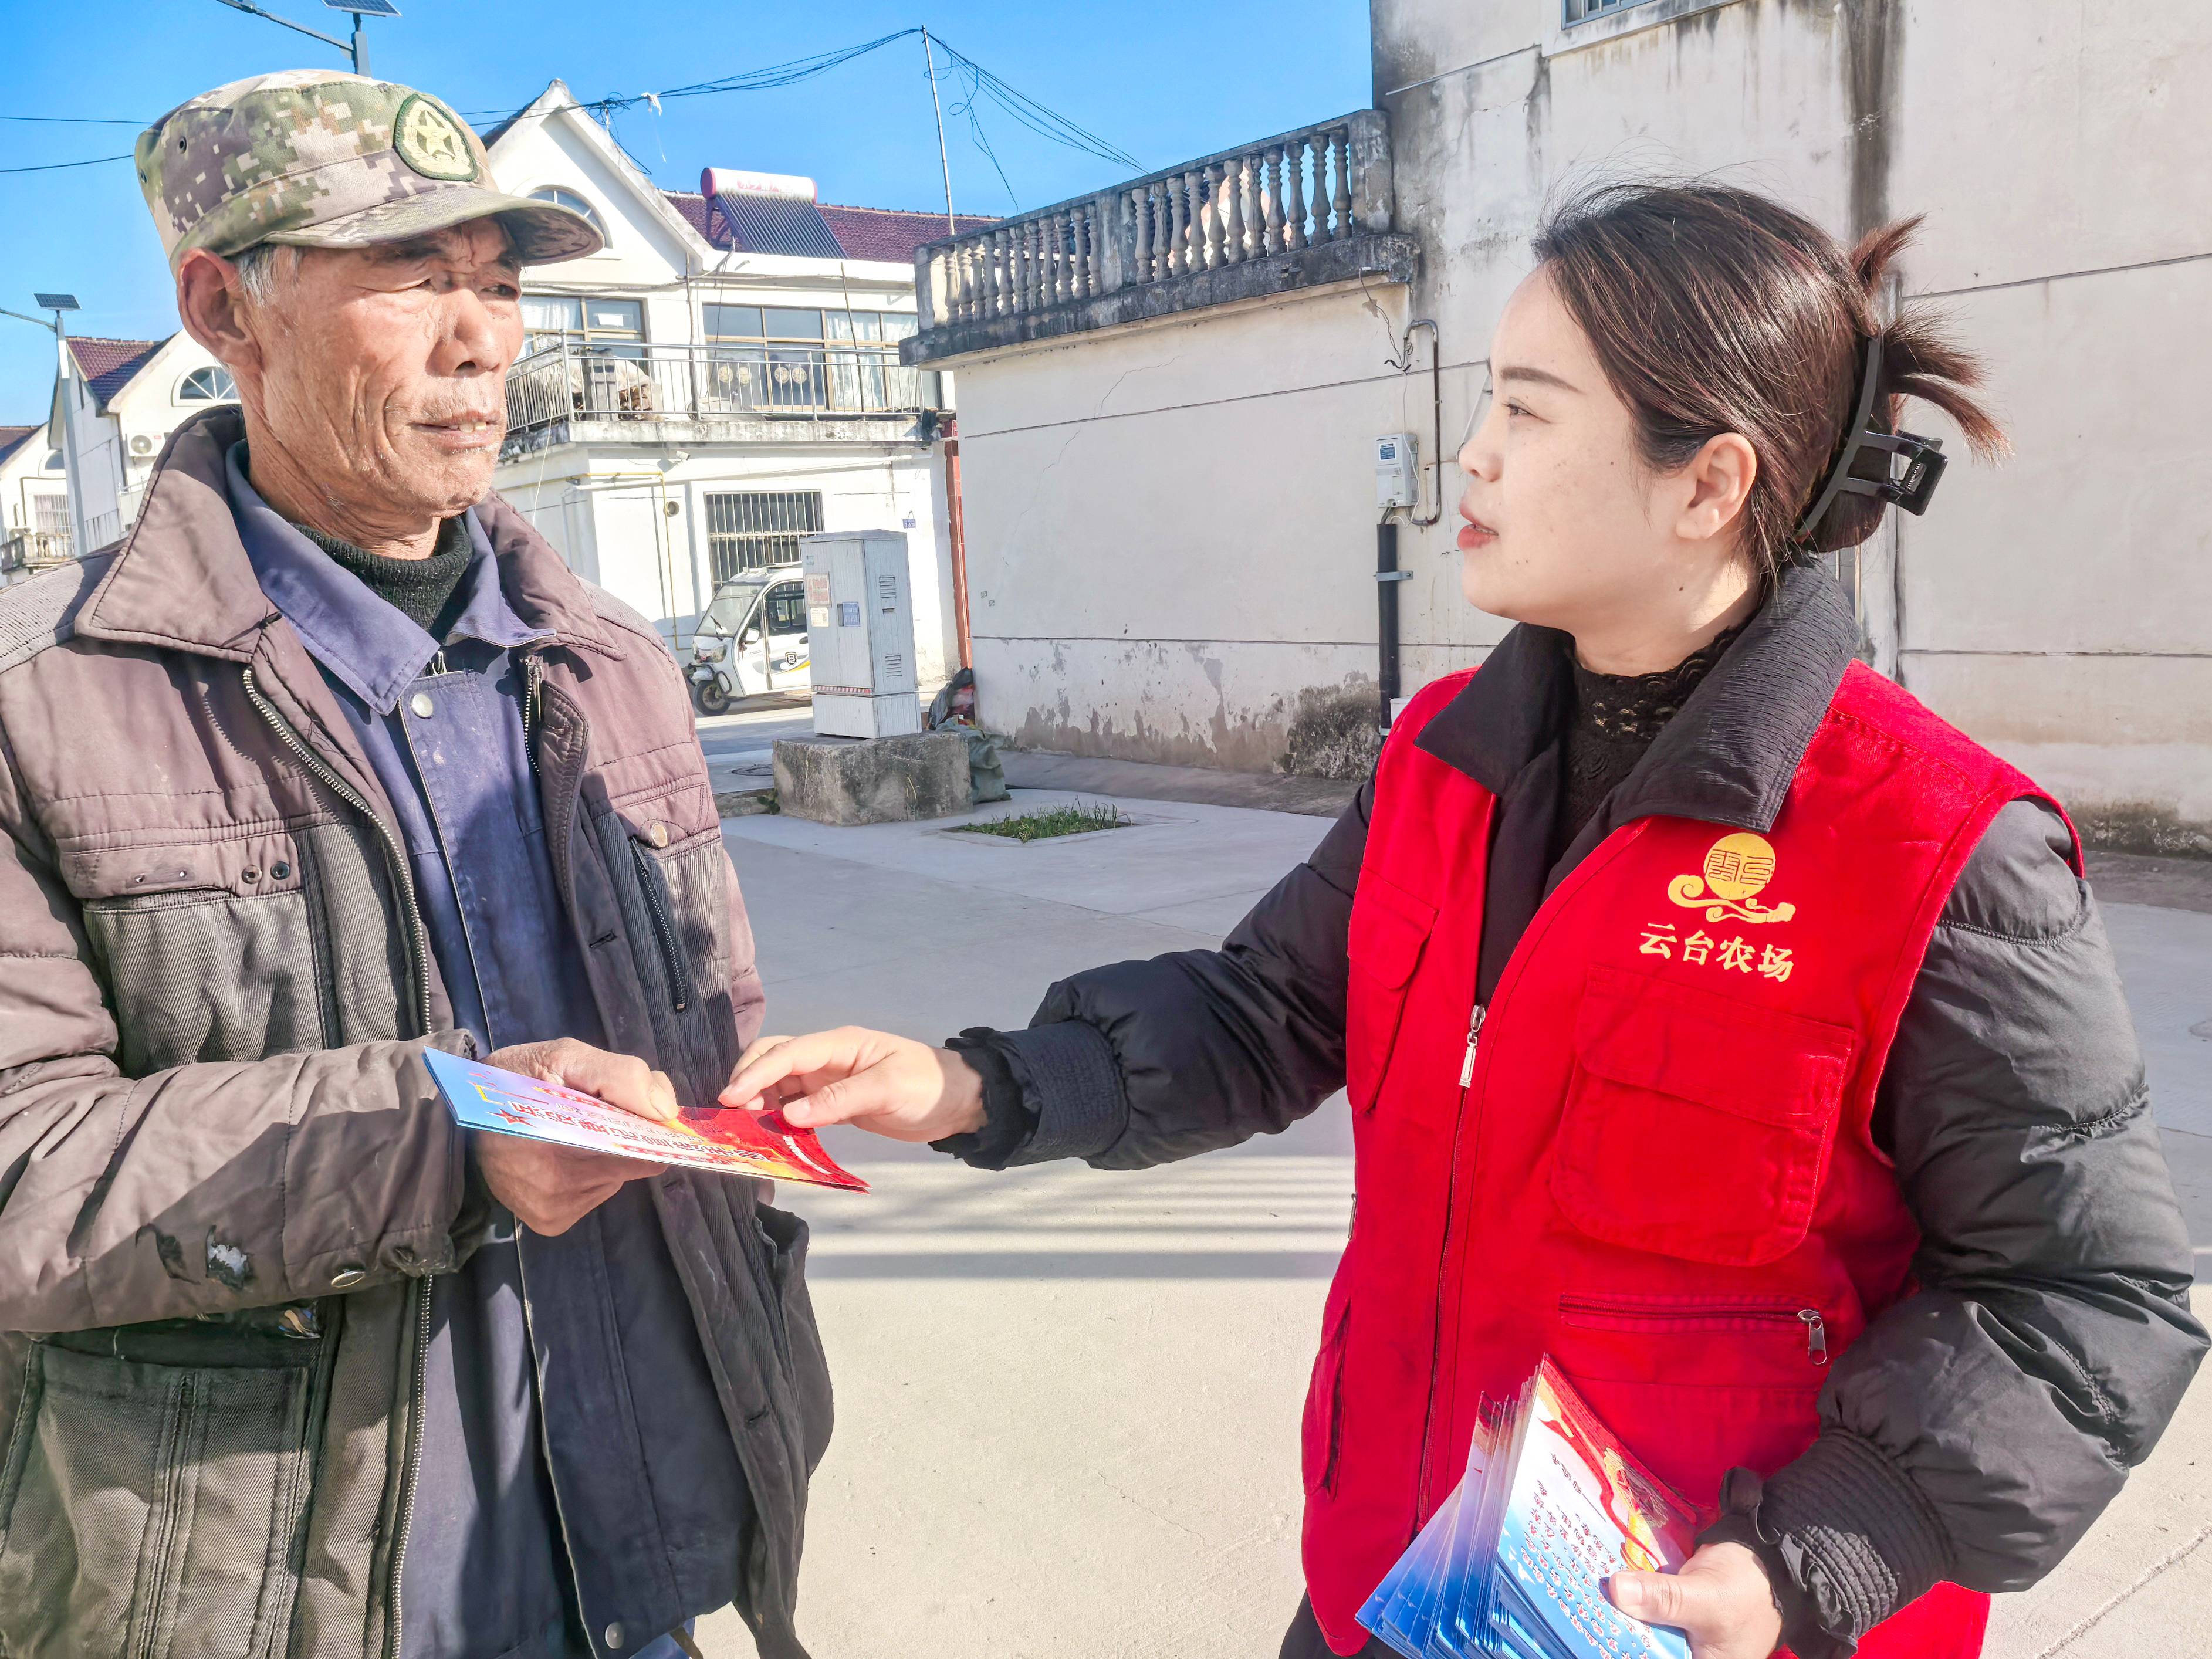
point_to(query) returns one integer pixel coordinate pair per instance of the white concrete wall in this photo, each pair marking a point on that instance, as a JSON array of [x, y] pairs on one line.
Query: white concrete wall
[[1171, 528], [1168, 524]]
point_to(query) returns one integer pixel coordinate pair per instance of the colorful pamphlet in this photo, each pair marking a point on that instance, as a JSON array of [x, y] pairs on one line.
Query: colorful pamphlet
[[1513, 1563], [727, 1140]]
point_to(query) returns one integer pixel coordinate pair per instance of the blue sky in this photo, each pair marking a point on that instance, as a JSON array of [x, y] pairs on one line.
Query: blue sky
[[1163, 81]]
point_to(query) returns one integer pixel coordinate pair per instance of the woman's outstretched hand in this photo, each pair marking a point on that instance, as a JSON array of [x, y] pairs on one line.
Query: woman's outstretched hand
[[888, 1085], [1720, 1600]]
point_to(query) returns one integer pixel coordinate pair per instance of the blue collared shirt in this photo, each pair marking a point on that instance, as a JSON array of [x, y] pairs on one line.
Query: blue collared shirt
[[652, 1529]]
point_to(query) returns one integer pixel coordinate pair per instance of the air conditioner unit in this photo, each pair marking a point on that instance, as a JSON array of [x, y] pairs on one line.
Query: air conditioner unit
[[142, 445], [859, 627]]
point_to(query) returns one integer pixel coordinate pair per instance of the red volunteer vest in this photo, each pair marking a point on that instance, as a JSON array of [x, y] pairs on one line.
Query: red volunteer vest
[[1655, 1164]]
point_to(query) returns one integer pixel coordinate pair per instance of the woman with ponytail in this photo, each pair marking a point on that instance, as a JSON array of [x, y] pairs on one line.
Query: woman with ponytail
[[1714, 1018]]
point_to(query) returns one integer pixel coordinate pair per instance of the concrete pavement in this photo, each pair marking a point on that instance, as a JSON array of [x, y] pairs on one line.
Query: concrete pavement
[[1068, 1400]]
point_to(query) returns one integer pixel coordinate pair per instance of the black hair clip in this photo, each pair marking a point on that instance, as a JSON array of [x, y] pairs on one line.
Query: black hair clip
[[1867, 465]]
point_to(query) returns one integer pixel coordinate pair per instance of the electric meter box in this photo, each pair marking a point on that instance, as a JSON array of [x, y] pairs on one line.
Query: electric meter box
[[860, 632], [1397, 474]]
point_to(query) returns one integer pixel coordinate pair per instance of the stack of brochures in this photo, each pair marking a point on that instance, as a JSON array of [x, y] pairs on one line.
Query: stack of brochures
[[1513, 1565]]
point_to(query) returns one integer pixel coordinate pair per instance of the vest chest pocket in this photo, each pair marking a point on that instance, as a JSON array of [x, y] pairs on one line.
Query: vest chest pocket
[[1389, 931], [1696, 1126]]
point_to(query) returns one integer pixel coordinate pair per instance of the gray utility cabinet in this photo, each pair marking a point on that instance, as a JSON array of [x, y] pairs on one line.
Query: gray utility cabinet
[[859, 628]]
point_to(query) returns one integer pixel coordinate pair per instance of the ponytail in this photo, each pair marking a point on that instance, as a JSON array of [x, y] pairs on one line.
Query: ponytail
[[1716, 310]]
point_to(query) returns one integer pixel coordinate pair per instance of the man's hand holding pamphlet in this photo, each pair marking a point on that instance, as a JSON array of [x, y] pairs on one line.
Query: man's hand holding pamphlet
[[725, 1141]]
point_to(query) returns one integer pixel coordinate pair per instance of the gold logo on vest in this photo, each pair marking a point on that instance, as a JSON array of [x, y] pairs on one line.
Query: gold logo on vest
[[1737, 870]]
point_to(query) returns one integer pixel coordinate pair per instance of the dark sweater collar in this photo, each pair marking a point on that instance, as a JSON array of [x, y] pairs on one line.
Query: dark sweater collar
[[1728, 757]]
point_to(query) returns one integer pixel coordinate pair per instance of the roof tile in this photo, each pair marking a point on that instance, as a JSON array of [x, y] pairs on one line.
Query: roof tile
[[890, 234], [108, 365]]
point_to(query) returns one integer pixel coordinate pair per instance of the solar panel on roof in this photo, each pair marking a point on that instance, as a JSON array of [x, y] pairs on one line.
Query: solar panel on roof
[[778, 224]]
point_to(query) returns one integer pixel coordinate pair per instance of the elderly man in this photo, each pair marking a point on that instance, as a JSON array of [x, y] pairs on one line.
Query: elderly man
[[329, 760]]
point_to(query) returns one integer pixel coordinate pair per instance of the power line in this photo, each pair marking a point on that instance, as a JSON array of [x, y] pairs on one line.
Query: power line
[[56, 167], [1045, 122], [1037, 117]]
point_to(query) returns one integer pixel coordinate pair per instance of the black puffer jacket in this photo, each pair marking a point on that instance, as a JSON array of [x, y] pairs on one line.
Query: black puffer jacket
[[1976, 1429]]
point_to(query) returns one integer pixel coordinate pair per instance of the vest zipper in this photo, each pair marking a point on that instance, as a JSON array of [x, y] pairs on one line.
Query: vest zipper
[[1607, 1314], [1445, 1277], [418, 938], [1816, 1335], [1474, 1024], [1473, 1036]]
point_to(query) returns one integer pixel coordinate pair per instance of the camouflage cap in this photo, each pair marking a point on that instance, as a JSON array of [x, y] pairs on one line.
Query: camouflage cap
[[312, 158]]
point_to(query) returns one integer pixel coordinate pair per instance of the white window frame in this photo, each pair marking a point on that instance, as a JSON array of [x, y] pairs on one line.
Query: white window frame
[[177, 395], [1575, 26], [577, 201]]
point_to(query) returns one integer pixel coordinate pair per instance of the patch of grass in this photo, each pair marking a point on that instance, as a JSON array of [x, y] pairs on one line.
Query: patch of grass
[[1045, 823], [745, 803], [2140, 827]]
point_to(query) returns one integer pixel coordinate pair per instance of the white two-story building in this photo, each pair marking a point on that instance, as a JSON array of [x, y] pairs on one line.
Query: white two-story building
[[33, 503], [118, 401], [717, 381]]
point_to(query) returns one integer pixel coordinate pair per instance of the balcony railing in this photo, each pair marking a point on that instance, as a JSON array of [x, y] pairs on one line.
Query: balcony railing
[[34, 550], [641, 383], [1305, 207]]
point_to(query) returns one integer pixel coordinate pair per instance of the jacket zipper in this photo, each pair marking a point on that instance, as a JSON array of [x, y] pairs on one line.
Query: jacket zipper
[[418, 942], [1716, 1315], [161, 1549], [534, 685], [414, 1464], [664, 931], [418, 939]]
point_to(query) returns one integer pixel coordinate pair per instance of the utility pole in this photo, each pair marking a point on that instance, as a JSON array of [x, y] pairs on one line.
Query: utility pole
[[929, 57], [66, 379], [356, 48]]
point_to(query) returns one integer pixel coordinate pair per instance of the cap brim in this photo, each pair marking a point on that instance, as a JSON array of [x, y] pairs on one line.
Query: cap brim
[[544, 233]]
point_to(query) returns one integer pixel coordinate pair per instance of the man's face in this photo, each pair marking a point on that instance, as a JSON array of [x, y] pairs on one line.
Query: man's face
[[382, 371]]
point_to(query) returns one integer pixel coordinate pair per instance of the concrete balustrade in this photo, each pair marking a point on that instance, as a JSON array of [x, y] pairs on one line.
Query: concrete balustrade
[[1300, 209]]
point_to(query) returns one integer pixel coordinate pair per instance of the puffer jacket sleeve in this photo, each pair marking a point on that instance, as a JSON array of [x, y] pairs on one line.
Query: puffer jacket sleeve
[[205, 1188], [1142, 1062], [1976, 1429]]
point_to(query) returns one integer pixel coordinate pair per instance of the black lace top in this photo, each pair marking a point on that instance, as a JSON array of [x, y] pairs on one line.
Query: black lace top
[[1612, 723]]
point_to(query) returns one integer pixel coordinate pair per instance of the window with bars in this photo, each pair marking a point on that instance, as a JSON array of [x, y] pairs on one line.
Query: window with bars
[[758, 530], [1581, 11]]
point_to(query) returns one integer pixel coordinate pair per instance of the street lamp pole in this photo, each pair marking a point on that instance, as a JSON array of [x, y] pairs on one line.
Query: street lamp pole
[[66, 380], [356, 48]]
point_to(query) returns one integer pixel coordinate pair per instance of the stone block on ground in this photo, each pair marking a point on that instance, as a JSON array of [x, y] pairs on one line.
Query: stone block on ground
[[844, 781]]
